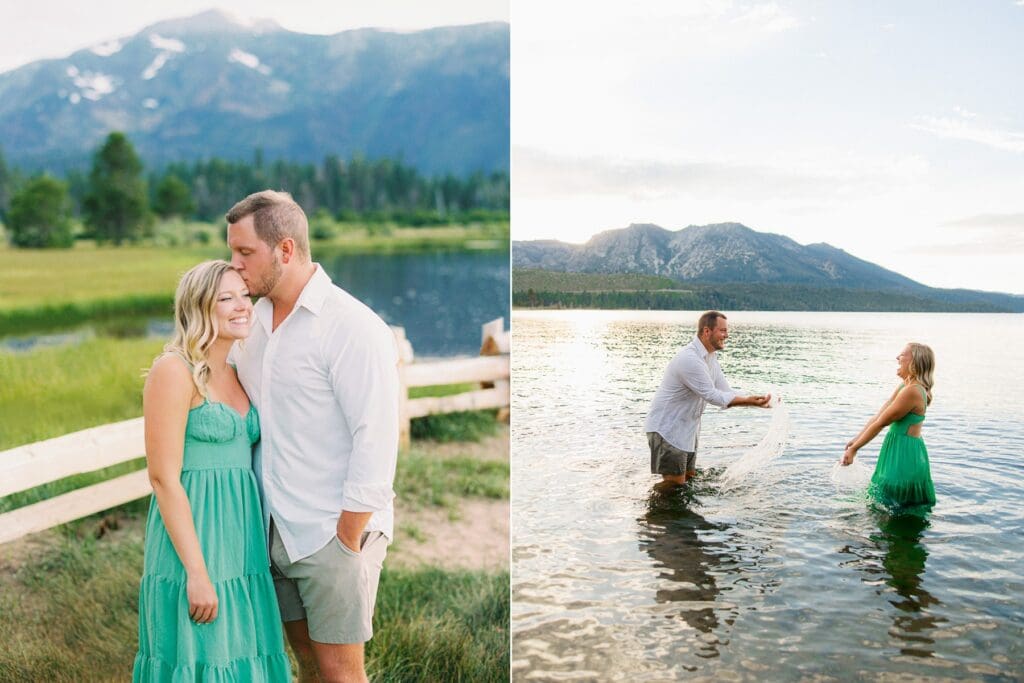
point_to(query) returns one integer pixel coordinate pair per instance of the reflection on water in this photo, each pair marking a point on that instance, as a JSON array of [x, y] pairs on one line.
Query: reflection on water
[[894, 562], [670, 533], [781, 576]]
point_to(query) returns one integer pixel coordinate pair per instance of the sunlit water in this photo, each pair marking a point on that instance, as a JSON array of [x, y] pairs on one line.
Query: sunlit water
[[786, 575]]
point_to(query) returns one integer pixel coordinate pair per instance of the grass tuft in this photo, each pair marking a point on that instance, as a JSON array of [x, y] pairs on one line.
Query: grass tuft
[[70, 614], [424, 480]]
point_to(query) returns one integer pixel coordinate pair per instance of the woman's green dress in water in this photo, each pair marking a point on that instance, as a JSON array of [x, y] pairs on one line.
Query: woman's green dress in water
[[903, 480], [244, 642]]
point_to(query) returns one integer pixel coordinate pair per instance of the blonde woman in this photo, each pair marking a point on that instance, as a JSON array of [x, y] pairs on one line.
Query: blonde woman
[[902, 477], [207, 608]]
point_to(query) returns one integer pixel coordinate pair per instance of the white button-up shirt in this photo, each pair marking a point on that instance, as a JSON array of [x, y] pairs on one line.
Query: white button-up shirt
[[325, 383], [692, 380]]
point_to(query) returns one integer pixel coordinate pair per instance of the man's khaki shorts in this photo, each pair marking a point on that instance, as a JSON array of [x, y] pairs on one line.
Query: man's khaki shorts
[[334, 589], [667, 459]]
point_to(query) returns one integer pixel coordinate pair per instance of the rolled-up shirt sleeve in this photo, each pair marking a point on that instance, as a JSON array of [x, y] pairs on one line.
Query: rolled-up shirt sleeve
[[706, 380], [364, 373]]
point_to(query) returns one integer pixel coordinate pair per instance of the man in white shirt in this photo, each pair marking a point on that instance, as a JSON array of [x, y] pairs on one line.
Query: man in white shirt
[[692, 380], [321, 369]]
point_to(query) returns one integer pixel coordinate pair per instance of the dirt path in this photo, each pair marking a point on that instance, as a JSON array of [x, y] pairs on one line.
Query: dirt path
[[475, 535]]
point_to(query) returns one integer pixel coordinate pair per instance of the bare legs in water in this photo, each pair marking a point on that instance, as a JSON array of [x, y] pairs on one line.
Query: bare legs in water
[[670, 482]]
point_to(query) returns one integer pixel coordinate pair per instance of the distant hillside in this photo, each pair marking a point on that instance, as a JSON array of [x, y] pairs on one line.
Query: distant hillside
[[746, 266], [209, 86]]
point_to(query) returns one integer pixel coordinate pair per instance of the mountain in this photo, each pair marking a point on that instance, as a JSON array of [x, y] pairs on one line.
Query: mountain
[[733, 254], [211, 85]]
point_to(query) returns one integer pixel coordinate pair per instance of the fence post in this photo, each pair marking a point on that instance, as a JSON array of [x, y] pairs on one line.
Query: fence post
[[405, 356], [494, 341]]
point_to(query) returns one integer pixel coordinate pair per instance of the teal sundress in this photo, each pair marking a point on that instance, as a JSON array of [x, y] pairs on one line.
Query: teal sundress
[[244, 642], [902, 479]]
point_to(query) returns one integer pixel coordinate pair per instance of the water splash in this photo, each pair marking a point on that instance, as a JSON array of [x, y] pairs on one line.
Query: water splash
[[852, 477], [768, 449]]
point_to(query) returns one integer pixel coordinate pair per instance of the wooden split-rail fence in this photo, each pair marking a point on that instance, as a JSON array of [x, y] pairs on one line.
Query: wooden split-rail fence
[[35, 464]]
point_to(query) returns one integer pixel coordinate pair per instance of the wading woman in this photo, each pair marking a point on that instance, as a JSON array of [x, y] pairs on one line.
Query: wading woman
[[902, 480], [207, 608]]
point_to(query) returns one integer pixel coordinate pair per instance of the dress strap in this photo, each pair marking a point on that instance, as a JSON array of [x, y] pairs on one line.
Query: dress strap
[[924, 393]]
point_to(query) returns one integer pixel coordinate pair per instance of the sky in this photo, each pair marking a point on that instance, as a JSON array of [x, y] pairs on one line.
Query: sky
[[43, 29], [894, 131]]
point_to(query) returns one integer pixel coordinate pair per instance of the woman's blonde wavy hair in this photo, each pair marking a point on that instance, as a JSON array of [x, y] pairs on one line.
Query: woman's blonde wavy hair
[[922, 366], [195, 327]]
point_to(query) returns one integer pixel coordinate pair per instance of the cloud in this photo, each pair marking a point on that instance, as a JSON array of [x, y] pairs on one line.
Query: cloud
[[538, 173], [1011, 221], [654, 31], [982, 234], [964, 127], [766, 17]]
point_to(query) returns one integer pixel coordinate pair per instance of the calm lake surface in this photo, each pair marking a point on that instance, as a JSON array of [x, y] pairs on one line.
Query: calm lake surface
[[441, 298], [782, 577]]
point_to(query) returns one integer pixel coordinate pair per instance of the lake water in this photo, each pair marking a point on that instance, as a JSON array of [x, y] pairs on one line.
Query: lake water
[[441, 298], [781, 577]]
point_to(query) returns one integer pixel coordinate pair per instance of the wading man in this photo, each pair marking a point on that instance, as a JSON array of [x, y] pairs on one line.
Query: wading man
[[692, 380]]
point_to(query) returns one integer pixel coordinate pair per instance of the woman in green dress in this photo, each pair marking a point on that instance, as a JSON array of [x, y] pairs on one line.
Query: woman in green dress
[[207, 608], [902, 480]]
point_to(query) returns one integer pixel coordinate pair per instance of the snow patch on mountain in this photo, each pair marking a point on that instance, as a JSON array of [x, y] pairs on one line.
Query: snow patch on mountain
[[248, 59], [93, 85], [154, 67], [166, 44], [111, 47]]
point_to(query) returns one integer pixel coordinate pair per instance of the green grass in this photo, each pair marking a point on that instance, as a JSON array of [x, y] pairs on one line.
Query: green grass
[[428, 480], [54, 391], [471, 425], [388, 238], [441, 626], [41, 279], [71, 615]]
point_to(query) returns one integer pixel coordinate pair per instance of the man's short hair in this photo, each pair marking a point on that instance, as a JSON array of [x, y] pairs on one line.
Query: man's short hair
[[709, 319], [275, 216]]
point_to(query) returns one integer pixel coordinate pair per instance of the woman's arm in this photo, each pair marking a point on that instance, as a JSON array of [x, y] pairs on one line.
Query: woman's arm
[[872, 419], [901, 404], [165, 404]]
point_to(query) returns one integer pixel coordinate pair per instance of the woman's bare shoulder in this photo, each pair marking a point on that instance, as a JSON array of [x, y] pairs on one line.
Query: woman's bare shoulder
[[169, 376]]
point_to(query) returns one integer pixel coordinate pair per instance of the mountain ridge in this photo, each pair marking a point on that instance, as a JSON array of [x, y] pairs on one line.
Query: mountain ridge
[[736, 255], [207, 85]]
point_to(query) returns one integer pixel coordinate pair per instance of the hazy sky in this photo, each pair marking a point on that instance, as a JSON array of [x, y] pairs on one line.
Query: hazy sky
[[41, 29], [894, 131]]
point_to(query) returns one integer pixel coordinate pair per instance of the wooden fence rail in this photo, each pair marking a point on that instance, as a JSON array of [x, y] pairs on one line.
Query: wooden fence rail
[[42, 462]]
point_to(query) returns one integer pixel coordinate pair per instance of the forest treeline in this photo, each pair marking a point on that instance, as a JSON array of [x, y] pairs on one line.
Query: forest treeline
[[750, 297], [117, 198]]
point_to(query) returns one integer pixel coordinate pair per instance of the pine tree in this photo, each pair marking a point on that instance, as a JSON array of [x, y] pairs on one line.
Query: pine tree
[[173, 198], [116, 208]]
